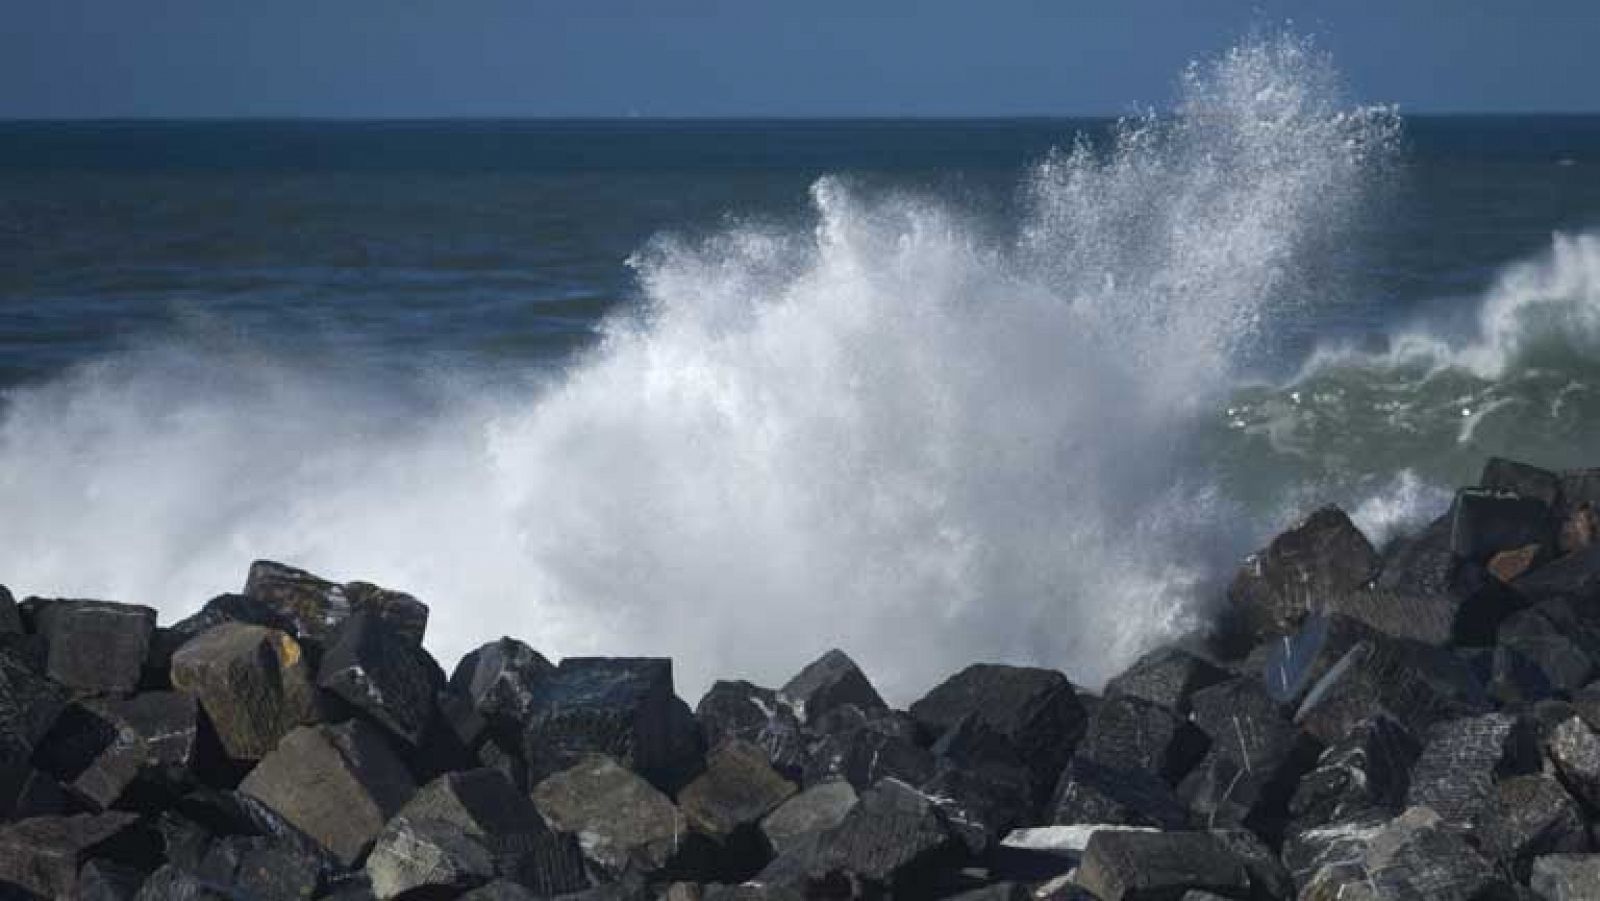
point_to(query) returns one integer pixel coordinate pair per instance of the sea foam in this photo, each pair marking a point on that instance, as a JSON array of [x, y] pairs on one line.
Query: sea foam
[[891, 431]]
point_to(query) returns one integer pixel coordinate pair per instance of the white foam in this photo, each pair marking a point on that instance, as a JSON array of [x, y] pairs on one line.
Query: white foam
[[887, 433]]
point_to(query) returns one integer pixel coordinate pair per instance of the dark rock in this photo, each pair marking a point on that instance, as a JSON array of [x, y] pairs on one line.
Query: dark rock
[[981, 802], [1293, 663], [1268, 876], [171, 883], [486, 806], [1364, 774], [1320, 557], [1256, 756], [26, 792], [317, 607], [29, 706], [260, 868], [1166, 677], [1415, 684], [1574, 749], [1574, 577], [1436, 586], [629, 827], [1128, 733], [44, 854], [102, 880], [864, 750], [1578, 486], [96, 647], [337, 784], [894, 839], [1090, 793], [500, 680], [503, 890], [623, 708], [1035, 710], [230, 608], [1566, 877], [384, 675], [827, 682], [1538, 657], [1133, 866], [1413, 856], [1520, 478], [818, 808], [401, 614], [1528, 816], [756, 715], [1462, 760], [10, 618], [1508, 566], [1000, 891], [253, 682], [727, 801], [1579, 529], [1486, 522], [100, 747]]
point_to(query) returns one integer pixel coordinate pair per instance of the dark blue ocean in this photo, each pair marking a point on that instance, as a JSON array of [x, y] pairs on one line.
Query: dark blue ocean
[[739, 391]]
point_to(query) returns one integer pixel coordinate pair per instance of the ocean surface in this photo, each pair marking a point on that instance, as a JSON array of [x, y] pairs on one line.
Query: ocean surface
[[739, 391]]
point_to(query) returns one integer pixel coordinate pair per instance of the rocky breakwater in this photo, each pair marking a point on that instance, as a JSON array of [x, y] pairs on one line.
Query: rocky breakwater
[[1412, 722]]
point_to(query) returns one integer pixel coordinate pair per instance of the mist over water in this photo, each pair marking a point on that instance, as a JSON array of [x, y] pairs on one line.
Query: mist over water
[[894, 429]]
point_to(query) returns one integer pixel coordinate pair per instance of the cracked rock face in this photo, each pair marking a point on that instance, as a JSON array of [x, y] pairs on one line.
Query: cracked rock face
[[254, 683]]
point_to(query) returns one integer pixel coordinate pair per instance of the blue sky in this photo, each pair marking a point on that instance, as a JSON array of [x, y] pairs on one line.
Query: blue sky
[[380, 58]]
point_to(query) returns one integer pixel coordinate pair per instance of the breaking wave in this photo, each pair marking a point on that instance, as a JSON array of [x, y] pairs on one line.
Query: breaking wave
[[891, 431]]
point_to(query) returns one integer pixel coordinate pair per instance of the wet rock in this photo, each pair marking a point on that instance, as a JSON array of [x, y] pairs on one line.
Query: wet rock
[[1363, 774], [260, 868], [1413, 856], [627, 825], [1256, 756], [1322, 556], [1415, 684], [384, 675], [1546, 644], [828, 682], [230, 608], [1521, 478], [1462, 760], [894, 839], [863, 750], [484, 805], [101, 747], [728, 800], [253, 682], [1129, 733], [1573, 577], [43, 854], [1566, 877], [756, 715], [317, 607], [1128, 866], [623, 708], [1433, 584], [1486, 522], [1166, 677], [817, 809], [1091, 793], [981, 802], [26, 792], [1528, 816], [1034, 710], [102, 880], [1574, 749], [500, 680], [337, 784], [1293, 663], [95, 647], [29, 706]]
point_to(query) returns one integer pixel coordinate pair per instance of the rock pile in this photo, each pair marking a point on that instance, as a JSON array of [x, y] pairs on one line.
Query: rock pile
[[1416, 721]]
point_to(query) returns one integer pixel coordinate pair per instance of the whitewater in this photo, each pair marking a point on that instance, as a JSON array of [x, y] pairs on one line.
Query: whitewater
[[894, 429]]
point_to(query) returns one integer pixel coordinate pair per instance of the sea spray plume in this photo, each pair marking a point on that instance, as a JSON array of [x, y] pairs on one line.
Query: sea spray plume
[[887, 432]]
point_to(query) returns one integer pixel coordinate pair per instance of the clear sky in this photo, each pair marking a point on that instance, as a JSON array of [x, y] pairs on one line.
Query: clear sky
[[396, 58]]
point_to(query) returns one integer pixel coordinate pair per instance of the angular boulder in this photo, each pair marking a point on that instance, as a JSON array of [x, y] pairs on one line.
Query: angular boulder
[[1553, 642], [43, 854], [100, 747], [1461, 761], [756, 715], [29, 706], [1256, 757], [1566, 877], [894, 839], [736, 790], [384, 675], [827, 682], [1415, 684], [500, 680], [254, 683], [1415, 855], [317, 607], [1574, 749], [1322, 556], [1033, 710], [1424, 588], [95, 647], [1128, 733], [1364, 774], [1520, 478], [337, 784], [1528, 816], [815, 810], [1130, 866], [623, 708], [1166, 677], [863, 749], [256, 866], [628, 826], [1485, 522], [1093, 794], [423, 858]]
